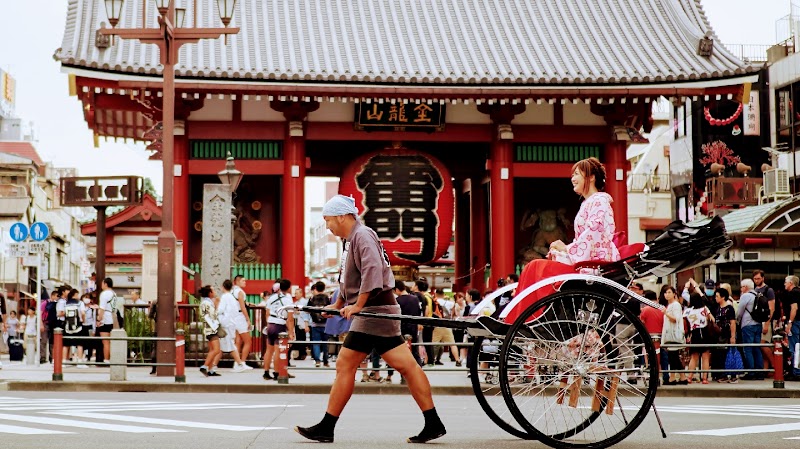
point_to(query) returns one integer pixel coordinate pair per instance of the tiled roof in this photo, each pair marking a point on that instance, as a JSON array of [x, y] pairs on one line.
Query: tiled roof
[[21, 149], [485, 42], [744, 220]]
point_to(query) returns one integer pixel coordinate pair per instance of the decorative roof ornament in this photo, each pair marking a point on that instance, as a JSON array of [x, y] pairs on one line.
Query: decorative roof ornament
[[706, 45]]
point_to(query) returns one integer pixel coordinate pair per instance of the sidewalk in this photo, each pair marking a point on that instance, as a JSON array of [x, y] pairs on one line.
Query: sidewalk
[[20, 377]]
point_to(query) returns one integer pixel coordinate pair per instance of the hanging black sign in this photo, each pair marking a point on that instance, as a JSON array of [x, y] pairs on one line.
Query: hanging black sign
[[400, 117]]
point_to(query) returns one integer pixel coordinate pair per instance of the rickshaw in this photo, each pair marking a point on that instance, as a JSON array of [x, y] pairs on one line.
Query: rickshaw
[[577, 369]]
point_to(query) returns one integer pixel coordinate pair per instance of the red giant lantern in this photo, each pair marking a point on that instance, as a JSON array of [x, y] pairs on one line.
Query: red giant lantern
[[407, 198]]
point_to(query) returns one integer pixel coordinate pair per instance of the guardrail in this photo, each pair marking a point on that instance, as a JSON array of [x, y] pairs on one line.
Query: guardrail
[[777, 358], [119, 354]]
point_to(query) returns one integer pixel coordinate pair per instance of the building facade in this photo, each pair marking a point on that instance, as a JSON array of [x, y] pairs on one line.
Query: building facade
[[461, 131]]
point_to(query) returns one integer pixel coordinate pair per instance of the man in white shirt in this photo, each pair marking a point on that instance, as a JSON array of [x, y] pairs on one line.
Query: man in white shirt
[[105, 315]]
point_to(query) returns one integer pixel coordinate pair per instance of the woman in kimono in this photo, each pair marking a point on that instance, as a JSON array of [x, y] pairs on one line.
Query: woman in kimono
[[594, 234]]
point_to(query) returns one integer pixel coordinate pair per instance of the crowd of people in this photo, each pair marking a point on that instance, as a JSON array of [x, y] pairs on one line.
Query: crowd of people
[[78, 315], [701, 323]]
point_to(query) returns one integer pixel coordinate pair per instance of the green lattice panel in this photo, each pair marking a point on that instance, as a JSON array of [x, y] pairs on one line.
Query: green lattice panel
[[239, 149], [555, 152]]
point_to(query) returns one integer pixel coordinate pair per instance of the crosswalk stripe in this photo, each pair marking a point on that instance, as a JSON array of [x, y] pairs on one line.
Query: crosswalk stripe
[[134, 408], [87, 425], [768, 428], [106, 407], [20, 430], [169, 422], [713, 411]]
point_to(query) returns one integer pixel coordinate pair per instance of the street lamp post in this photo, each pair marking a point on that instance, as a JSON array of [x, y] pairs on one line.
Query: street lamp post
[[169, 38], [232, 177]]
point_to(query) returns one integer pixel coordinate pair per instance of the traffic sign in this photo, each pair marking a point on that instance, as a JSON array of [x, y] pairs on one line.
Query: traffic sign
[[37, 247], [39, 231], [19, 232], [18, 249]]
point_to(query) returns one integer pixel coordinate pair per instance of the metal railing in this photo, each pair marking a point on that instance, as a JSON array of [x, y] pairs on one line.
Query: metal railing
[[749, 53], [777, 358], [642, 182], [118, 356]]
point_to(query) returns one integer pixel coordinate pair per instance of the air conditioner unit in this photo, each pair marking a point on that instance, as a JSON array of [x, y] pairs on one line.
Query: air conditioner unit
[[776, 181]]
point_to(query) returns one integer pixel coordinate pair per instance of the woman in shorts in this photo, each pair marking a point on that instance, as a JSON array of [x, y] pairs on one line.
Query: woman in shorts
[[211, 329]]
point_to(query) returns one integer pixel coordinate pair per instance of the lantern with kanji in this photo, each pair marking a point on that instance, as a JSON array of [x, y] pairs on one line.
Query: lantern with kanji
[[407, 197]]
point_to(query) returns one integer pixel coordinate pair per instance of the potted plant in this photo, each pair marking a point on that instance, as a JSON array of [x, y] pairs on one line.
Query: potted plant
[[717, 155]]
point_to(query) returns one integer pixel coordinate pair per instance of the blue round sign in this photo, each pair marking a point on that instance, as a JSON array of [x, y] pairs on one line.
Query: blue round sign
[[39, 231], [19, 232]]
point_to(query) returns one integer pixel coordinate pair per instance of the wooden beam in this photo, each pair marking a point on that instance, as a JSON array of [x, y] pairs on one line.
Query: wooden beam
[[252, 167]]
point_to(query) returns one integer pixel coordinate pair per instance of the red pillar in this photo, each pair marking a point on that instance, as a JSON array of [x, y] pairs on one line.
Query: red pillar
[[293, 202], [181, 202], [616, 164], [501, 177], [462, 236], [478, 234], [293, 207]]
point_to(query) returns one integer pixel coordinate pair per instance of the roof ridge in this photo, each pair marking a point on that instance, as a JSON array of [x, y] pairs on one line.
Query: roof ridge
[[279, 47]]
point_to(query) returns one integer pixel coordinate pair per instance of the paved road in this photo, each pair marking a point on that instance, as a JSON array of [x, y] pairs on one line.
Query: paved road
[[198, 421]]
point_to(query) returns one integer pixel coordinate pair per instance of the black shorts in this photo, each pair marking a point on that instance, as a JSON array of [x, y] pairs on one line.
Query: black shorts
[[105, 328], [361, 342], [273, 331], [213, 336]]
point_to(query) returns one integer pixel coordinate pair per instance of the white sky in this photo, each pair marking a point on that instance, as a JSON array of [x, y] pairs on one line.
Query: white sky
[[31, 31]]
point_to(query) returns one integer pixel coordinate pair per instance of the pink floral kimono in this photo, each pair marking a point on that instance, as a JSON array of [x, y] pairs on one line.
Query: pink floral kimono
[[594, 240]]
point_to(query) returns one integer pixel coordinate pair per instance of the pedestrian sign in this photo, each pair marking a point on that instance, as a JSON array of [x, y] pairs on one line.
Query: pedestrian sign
[[39, 231], [19, 232]]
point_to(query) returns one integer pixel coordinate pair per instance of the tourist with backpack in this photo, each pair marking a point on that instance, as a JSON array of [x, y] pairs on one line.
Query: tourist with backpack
[[759, 278], [751, 315], [74, 316], [50, 320], [318, 321]]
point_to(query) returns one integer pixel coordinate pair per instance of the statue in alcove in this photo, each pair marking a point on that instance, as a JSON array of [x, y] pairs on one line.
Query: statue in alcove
[[245, 235], [548, 226]]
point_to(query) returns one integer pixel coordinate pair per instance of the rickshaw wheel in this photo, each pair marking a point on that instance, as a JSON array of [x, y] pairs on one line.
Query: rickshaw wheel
[[485, 384], [578, 370]]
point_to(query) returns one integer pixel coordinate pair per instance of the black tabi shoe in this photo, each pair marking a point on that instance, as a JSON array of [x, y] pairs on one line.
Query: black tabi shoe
[[312, 434], [428, 435]]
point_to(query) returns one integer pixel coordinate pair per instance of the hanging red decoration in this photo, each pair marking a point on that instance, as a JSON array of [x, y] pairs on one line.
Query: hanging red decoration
[[717, 122]]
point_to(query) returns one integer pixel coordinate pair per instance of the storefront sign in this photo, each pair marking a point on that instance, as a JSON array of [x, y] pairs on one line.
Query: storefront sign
[[400, 116], [7, 94], [407, 198], [101, 191], [751, 116]]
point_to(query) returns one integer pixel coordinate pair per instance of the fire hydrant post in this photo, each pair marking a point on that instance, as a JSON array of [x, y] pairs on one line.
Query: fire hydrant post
[[283, 358], [777, 361], [180, 356], [58, 345]]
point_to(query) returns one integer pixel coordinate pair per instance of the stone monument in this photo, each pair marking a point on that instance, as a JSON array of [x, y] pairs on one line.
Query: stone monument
[[217, 238]]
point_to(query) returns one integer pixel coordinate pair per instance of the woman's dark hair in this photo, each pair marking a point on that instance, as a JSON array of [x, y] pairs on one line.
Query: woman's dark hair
[[72, 293], [591, 167], [696, 301], [205, 291], [663, 299], [474, 294], [227, 285], [723, 293], [651, 295]]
